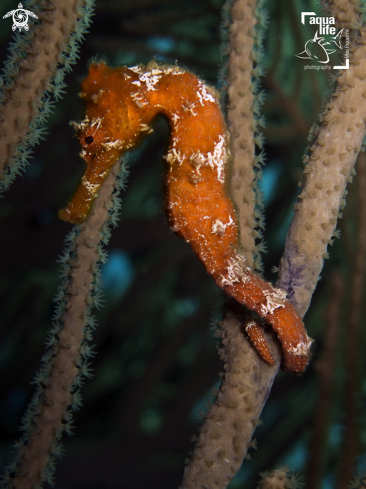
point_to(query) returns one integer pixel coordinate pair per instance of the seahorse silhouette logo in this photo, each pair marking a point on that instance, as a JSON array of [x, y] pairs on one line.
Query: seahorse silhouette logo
[[20, 18], [316, 49]]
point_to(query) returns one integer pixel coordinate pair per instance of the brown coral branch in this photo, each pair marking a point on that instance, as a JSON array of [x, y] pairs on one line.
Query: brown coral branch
[[241, 120], [289, 104], [329, 167], [231, 421], [47, 423], [23, 98], [345, 11], [353, 351], [326, 366]]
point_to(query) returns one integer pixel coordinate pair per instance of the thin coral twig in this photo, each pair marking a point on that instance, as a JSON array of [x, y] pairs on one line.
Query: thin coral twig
[[299, 39], [353, 381], [289, 104], [241, 120], [162, 357], [243, 107], [326, 367]]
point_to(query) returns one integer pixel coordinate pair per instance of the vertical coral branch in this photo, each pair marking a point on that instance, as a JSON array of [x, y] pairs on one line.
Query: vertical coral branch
[[247, 380], [351, 440], [328, 168], [244, 100], [345, 11], [225, 435], [64, 365], [327, 373], [241, 120], [30, 80]]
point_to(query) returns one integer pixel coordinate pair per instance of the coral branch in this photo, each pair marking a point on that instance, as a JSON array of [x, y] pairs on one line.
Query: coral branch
[[289, 104], [327, 371], [351, 440], [231, 421], [345, 11], [31, 80], [241, 119], [64, 365], [244, 101], [328, 168]]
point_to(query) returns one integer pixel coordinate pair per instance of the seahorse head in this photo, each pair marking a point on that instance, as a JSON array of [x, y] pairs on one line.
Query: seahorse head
[[111, 123]]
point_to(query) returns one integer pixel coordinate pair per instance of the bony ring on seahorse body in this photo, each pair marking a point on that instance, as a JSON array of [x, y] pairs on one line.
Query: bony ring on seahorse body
[[121, 105]]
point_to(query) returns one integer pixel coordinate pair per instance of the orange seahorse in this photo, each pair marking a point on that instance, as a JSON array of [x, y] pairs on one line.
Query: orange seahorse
[[121, 104]]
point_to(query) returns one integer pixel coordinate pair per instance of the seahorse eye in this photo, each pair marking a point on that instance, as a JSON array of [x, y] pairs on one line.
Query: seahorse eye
[[89, 139]]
